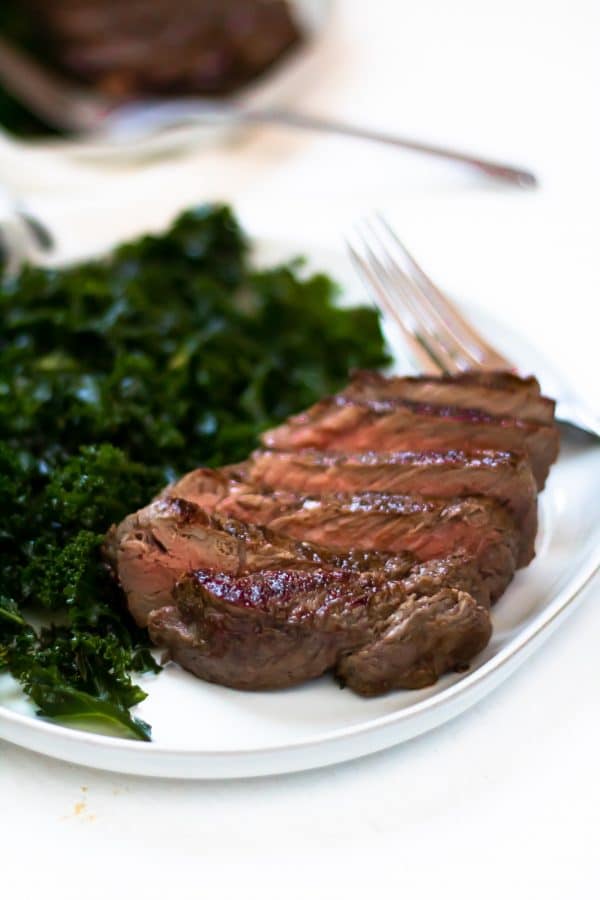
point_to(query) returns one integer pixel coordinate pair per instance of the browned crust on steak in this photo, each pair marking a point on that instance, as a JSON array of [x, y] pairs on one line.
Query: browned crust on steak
[[275, 630], [369, 538], [506, 477], [350, 426], [499, 397]]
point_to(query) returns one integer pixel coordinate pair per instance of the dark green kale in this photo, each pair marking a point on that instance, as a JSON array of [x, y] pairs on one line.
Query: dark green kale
[[78, 673], [117, 375], [79, 677]]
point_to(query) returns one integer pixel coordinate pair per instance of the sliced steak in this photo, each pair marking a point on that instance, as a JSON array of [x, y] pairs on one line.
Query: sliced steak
[[458, 571], [368, 538], [151, 549], [509, 396], [429, 529], [478, 528], [155, 547], [206, 486], [450, 473], [347, 425], [271, 629], [275, 629]]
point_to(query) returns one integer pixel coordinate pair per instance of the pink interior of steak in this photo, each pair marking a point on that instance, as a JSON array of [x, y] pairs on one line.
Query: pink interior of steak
[[350, 426], [504, 476], [375, 521]]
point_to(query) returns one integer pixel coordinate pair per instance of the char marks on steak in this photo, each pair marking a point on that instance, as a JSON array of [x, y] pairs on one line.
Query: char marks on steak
[[275, 629], [367, 537], [428, 529], [153, 548], [512, 397], [498, 474], [349, 425]]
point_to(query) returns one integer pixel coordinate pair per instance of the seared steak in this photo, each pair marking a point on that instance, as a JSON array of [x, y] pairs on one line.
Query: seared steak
[[341, 423], [369, 537], [155, 547], [276, 629], [449, 473], [517, 399], [429, 529]]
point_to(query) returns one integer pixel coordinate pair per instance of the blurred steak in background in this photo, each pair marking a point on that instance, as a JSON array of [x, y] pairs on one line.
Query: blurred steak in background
[[158, 47]]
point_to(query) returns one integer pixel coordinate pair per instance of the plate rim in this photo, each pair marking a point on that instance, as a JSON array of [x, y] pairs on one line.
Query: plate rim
[[144, 759], [540, 626]]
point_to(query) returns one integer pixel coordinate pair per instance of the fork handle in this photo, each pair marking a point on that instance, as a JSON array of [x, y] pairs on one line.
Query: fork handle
[[520, 177]]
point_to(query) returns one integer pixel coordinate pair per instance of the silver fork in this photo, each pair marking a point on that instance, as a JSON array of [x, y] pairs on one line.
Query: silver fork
[[440, 338]]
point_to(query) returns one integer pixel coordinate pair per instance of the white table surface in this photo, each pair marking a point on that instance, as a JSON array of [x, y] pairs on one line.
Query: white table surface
[[505, 800]]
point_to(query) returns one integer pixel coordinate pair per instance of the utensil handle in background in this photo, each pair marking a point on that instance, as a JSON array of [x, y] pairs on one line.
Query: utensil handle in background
[[518, 176]]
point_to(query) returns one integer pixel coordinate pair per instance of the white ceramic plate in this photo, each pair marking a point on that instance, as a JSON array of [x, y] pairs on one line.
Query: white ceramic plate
[[285, 80], [206, 731]]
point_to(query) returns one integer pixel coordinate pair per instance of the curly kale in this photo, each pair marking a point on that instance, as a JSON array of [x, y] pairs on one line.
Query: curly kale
[[79, 677], [117, 375], [76, 494], [77, 673]]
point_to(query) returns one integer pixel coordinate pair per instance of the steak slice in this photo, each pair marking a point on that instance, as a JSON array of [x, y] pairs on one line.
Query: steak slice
[[450, 473], [423, 638], [506, 381], [272, 629], [428, 529], [340, 423], [155, 547], [478, 528], [457, 571], [508, 395], [275, 629]]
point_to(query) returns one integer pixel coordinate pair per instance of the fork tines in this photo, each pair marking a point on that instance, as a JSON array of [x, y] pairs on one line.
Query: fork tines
[[439, 337]]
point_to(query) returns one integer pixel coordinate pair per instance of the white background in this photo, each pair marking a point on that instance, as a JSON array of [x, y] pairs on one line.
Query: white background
[[505, 800]]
